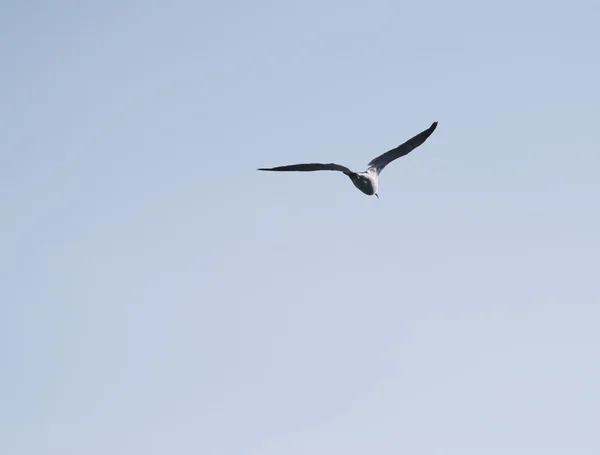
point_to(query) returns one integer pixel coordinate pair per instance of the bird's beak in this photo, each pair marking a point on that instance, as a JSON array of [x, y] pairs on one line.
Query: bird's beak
[[377, 195]]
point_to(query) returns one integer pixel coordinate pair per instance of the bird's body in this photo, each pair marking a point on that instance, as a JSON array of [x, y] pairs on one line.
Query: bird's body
[[367, 181]]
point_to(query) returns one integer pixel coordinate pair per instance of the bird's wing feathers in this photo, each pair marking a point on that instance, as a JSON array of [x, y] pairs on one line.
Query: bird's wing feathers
[[404, 149], [310, 167]]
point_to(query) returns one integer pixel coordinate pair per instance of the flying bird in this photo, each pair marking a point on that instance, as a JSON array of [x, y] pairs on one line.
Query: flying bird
[[367, 181]]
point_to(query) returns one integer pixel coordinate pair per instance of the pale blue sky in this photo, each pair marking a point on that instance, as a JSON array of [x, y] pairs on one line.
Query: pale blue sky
[[160, 296]]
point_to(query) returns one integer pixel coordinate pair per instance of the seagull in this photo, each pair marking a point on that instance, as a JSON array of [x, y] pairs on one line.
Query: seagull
[[367, 181]]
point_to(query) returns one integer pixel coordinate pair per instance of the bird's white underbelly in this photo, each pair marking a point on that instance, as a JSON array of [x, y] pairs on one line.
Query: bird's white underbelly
[[366, 182]]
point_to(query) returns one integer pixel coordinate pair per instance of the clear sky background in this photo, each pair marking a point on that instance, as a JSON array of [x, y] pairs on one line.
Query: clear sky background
[[158, 295]]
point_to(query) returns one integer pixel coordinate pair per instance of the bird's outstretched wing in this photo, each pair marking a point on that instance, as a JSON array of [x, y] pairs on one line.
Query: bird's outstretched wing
[[310, 167], [404, 149]]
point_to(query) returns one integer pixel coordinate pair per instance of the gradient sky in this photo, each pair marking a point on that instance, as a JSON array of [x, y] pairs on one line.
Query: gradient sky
[[160, 296]]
